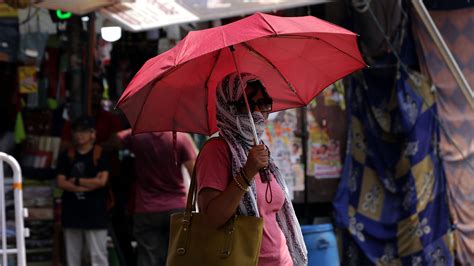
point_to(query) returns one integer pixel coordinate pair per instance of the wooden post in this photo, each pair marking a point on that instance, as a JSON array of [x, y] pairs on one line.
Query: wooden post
[[75, 68], [90, 59]]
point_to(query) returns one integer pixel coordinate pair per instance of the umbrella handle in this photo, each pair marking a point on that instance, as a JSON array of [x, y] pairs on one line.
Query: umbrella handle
[[264, 173], [254, 130]]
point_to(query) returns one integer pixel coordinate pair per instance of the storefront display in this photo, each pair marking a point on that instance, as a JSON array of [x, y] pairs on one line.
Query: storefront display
[[324, 148], [286, 148]]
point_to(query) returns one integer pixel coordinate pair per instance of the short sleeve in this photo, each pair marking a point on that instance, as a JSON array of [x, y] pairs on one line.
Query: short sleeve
[[125, 136], [213, 166], [187, 150], [63, 164]]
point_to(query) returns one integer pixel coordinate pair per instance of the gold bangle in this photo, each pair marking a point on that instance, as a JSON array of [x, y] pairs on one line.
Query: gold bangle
[[240, 185], [244, 175]]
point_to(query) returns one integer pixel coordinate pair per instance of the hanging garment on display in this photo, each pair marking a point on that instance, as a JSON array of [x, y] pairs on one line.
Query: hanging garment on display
[[9, 39], [390, 15], [391, 201], [457, 117], [33, 45]]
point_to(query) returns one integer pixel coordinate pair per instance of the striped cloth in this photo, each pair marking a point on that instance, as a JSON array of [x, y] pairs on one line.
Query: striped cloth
[[457, 29]]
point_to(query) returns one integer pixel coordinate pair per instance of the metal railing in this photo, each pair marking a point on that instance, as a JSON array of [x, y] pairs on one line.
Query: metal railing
[[20, 212]]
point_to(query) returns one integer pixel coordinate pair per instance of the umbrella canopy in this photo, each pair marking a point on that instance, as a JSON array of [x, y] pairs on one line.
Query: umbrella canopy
[[295, 58]]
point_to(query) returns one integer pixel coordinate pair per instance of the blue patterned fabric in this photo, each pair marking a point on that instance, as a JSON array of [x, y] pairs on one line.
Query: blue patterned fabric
[[391, 202]]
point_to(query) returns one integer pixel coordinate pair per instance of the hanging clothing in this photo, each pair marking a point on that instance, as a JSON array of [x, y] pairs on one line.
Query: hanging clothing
[[456, 115], [448, 4], [391, 201], [9, 39]]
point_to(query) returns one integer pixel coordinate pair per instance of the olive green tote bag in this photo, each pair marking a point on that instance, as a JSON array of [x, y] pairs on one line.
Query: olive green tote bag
[[194, 242]]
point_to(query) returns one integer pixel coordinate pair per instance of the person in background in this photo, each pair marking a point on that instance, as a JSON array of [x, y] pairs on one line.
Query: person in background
[[83, 175], [7, 137], [108, 123], [228, 178], [159, 188]]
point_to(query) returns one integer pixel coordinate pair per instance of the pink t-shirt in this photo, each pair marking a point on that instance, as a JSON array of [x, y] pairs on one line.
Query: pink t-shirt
[[159, 186], [213, 171]]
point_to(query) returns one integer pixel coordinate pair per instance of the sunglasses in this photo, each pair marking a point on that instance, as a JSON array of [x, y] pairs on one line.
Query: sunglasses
[[264, 104]]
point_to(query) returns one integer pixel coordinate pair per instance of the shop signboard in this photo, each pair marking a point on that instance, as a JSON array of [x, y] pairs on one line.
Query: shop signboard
[[144, 15], [78, 7], [216, 9]]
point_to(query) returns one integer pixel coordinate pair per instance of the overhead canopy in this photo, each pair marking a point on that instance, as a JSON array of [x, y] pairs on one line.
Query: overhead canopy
[[78, 7], [144, 15]]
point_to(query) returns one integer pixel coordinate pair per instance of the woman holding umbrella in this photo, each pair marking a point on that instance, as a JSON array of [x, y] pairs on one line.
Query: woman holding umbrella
[[228, 173], [296, 57]]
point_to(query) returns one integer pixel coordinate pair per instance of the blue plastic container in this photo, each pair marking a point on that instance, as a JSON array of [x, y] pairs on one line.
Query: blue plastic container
[[321, 243]]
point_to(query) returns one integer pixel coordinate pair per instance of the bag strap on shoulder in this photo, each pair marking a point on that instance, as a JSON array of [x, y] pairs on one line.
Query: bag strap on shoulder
[[71, 153], [192, 193], [96, 153]]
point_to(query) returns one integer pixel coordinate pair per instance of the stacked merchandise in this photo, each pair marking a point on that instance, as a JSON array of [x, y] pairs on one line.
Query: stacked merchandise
[[41, 149], [42, 152], [38, 199]]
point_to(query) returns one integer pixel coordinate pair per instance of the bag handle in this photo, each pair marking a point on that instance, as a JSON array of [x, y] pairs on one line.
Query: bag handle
[[191, 206]]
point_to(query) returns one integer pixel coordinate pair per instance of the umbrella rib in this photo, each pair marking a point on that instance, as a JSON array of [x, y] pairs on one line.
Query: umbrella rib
[[178, 56], [207, 85], [268, 23], [149, 91], [213, 67], [141, 108], [318, 39], [258, 54]]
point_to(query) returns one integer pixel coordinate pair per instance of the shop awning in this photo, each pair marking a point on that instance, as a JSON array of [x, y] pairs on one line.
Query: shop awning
[[78, 7], [144, 15]]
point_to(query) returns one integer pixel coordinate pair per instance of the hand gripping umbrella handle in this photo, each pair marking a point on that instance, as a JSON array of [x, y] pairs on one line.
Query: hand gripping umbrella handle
[[264, 173]]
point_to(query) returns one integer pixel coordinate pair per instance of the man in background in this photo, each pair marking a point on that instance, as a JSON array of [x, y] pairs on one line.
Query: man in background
[[159, 188], [83, 175]]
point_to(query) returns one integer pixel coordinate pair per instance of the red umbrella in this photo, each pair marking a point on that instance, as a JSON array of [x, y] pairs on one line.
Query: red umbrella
[[295, 57]]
